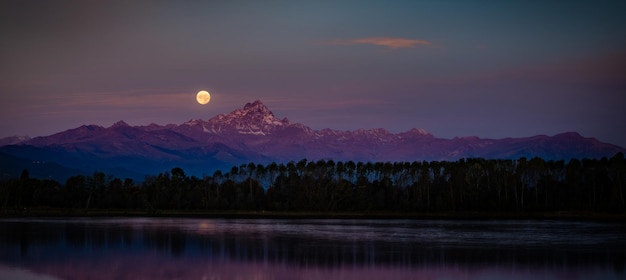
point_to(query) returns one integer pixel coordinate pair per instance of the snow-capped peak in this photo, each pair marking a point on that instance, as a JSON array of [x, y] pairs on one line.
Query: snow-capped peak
[[256, 105], [119, 124], [255, 118], [417, 131], [193, 122]]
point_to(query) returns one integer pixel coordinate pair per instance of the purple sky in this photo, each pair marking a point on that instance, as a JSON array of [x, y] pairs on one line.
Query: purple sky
[[455, 68]]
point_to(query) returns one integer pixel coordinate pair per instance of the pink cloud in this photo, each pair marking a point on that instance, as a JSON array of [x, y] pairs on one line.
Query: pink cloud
[[389, 42]]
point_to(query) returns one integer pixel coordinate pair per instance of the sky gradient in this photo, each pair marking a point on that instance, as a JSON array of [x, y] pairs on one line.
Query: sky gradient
[[491, 69]]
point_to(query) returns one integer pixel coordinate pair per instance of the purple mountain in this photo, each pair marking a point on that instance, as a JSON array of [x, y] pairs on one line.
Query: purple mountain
[[254, 134]]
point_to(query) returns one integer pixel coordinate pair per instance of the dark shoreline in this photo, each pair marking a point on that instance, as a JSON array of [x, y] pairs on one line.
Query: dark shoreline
[[81, 213]]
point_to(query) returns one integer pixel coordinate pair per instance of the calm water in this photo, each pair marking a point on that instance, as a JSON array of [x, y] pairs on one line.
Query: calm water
[[171, 248]]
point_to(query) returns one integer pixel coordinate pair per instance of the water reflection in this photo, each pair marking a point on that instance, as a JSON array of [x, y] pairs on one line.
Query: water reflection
[[312, 249]]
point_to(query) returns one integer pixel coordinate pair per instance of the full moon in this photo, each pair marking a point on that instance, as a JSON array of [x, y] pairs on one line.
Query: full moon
[[203, 97]]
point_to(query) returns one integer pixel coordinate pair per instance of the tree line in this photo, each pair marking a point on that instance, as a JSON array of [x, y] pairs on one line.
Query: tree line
[[471, 184]]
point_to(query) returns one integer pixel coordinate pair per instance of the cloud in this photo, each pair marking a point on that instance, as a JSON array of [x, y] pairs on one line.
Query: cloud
[[389, 42]]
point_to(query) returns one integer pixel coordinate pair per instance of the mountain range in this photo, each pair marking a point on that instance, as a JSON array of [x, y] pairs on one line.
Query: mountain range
[[254, 134]]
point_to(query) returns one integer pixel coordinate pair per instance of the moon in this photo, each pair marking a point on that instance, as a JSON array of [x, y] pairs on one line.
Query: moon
[[203, 97]]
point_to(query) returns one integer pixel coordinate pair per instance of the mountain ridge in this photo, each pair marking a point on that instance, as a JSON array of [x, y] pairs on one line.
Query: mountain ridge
[[254, 134]]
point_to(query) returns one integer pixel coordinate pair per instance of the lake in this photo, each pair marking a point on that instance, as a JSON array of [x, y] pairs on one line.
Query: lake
[[181, 248]]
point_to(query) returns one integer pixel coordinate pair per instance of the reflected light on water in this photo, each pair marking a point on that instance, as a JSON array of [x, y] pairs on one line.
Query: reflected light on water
[[15, 273], [158, 267], [205, 227], [310, 249]]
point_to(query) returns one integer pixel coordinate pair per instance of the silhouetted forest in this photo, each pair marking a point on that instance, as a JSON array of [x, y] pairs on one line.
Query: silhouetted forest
[[327, 186]]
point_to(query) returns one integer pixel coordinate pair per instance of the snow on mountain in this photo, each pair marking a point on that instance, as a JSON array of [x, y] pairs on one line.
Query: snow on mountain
[[255, 119], [255, 134], [13, 140]]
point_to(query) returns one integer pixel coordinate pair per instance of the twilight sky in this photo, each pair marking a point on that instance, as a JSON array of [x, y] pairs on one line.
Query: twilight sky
[[455, 68]]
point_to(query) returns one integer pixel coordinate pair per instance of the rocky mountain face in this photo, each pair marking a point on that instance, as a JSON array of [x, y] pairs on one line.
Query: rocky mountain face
[[254, 134]]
